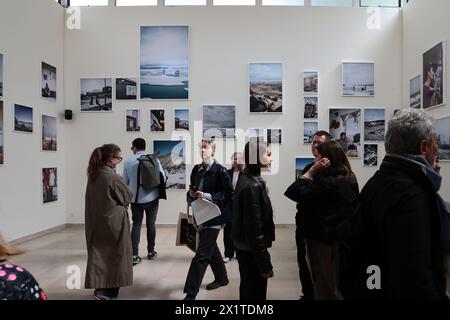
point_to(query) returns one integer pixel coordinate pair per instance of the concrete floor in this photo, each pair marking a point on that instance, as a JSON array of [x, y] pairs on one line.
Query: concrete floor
[[53, 257]]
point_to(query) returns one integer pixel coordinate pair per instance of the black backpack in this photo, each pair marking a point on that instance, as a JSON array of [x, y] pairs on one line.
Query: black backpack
[[148, 175]]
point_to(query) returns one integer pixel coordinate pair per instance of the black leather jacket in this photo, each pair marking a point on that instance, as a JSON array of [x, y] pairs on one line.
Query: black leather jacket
[[253, 228], [216, 182]]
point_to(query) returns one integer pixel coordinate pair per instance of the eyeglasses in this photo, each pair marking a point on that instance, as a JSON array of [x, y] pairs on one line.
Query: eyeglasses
[[118, 158]]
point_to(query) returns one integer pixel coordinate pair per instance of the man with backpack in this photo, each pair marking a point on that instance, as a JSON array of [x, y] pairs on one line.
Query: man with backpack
[[144, 174]]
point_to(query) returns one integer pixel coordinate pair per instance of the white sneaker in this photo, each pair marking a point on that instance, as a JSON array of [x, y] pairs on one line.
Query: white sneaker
[[226, 260]]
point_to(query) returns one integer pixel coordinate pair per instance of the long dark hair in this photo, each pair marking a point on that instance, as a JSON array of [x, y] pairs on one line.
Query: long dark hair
[[254, 151], [99, 157], [333, 151]]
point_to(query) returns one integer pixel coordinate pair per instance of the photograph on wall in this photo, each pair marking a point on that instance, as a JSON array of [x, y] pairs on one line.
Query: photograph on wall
[[274, 136], [433, 77], [96, 94], [2, 148], [49, 137], [49, 185], [309, 128], [48, 88], [219, 121], [157, 120], [133, 120], [442, 127], [172, 156], [345, 127], [415, 95], [182, 119], [374, 125], [23, 118], [310, 82], [358, 79], [311, 106], [300, 164], [1, 75], [126, 89], [370, 155], [266, 84], [165, 62]]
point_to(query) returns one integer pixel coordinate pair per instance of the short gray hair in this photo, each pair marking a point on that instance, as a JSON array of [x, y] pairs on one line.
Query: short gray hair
[[407, 129]]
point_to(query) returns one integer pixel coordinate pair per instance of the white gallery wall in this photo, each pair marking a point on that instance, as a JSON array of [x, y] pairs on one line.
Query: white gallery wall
[[425, 24], [223, 40], [30, 32]]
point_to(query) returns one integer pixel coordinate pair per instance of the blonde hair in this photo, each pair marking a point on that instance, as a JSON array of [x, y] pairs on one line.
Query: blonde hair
[[7, 251], [209, 142]]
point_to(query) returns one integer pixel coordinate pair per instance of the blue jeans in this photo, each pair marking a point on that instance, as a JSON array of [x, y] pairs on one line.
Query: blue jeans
[[137, 210]]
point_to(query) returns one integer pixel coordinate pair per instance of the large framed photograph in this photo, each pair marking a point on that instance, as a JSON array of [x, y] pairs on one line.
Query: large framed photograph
[[164, 62], [96, 94], [274, 136], [300, 164], [370, 155], [49, 136], [266, 87], [48, 78], [358, 79], [182, 119], [219, 121], [310, 82], [374, 125], [309, 128], [310, 107], [2, 130], [442, 127], [157, 121], [433, 76], [49, 185], [1, 75], [172, 156], [345, 127], [415, 94], [23, 119], [126, 89], [133, 120]]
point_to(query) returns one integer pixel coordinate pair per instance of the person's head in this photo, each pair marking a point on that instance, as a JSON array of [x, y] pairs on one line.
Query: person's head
[[318, 138], [343, 136], [7, 251], [332, 150], [137, 145], [108, 154], [257, 155], [237, 161], [411, 132], [207, 149]]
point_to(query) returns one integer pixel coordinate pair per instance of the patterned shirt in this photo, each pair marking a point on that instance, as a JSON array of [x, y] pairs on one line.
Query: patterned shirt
[[18, 284]]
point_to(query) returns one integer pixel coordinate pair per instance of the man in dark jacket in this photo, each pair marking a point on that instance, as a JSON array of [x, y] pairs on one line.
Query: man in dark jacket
[[402, 212], [304, 272], [210, 181]]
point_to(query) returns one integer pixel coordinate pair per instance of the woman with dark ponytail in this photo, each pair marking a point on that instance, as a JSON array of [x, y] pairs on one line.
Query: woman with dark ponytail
[[110, 258], [253, 229]]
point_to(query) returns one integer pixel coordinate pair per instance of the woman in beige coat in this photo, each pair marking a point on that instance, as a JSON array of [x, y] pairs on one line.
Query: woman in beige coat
[[110, 258]]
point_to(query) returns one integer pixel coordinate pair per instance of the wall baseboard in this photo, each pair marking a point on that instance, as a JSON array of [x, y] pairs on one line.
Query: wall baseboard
[[81, 226]]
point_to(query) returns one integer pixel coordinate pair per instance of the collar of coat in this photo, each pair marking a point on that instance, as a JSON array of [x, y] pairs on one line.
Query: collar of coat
[[213, 169]]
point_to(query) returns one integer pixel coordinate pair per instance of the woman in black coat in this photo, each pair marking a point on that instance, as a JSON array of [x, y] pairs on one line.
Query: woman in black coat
[[252, 228], [327, 193]]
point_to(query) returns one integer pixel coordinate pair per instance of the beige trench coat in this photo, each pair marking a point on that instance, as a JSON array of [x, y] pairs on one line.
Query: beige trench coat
[[110, 256]]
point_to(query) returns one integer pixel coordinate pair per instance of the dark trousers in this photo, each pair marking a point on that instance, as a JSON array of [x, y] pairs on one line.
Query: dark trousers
[[137, 209], [303, 269], [228, 243], [107, 292], [207, 253], [253, 286]]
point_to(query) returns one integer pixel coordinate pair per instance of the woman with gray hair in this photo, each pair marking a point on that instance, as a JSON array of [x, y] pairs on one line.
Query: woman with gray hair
[[404, 234]]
